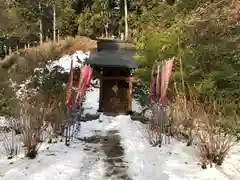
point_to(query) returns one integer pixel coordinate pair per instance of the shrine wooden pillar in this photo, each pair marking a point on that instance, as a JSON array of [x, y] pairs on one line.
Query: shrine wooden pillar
[[129, 106], [101, 97]]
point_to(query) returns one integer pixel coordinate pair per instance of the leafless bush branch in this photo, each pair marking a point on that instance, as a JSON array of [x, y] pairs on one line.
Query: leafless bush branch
[[183, 114], [33, 116], [157, 127], [9, 144], [213, 146], [204, 124]]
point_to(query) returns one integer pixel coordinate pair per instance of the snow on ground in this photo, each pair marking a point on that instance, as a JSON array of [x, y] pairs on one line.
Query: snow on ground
[[3, 121], [55, 162], [91, 101], [64, 63], [78, 58], [136, 107], [174, 161], [89, 160]]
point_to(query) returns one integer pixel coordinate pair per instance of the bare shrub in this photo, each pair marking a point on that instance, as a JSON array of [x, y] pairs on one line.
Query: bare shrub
[[153, 135], [157, 127], [33, 115], [55, 119], [54, 94], [232, 125], [212, 136], [8, 132], [213, 144], [205, 125], [183, 114], [9, 144]]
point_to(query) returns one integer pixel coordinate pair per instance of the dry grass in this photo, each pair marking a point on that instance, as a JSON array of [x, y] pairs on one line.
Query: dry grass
[[21, 64]]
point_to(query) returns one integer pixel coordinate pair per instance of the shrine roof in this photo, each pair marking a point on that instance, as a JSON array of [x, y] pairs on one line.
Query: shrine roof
[[113, 53]]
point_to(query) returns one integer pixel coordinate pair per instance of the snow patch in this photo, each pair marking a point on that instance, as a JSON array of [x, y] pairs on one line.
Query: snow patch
[[65, 62], [55, 162], [91, 101], [3, 122], [136, 107], [169, 162]]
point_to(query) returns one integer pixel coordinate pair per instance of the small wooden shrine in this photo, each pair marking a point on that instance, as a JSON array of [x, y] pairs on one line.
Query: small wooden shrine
[[113, 61]]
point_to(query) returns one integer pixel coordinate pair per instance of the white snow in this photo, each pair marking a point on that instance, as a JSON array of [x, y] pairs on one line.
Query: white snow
[[54, 162], [136, 107], [3, 121], [91, 101], [171, 161], [174, 161], [64, 62]]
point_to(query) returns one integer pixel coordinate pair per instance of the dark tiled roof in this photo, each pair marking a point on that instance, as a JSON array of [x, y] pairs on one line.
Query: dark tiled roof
[[112, 53], [115, 45]]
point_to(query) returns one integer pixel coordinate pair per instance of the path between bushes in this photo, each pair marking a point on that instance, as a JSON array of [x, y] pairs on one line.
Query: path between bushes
[[115, 148], [110, 145], [99, 156]]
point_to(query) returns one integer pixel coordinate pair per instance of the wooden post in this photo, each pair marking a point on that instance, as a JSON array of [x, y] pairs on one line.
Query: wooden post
[[100, 108], [129, 108]]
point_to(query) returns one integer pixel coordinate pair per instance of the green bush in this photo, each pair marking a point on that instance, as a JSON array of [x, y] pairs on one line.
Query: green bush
[[8, 101]]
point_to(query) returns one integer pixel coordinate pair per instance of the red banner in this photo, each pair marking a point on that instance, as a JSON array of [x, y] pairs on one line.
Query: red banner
[[166, 73], [69, 87], [84, 83]]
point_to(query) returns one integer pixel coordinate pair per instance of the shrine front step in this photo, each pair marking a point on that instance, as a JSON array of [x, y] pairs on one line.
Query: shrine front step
[[113, 114]]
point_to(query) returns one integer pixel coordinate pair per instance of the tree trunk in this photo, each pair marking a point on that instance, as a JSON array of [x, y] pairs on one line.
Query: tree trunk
[[106, 30], [54, 22], [40, 24], [126, 19], [9, 50], [58, 35]]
